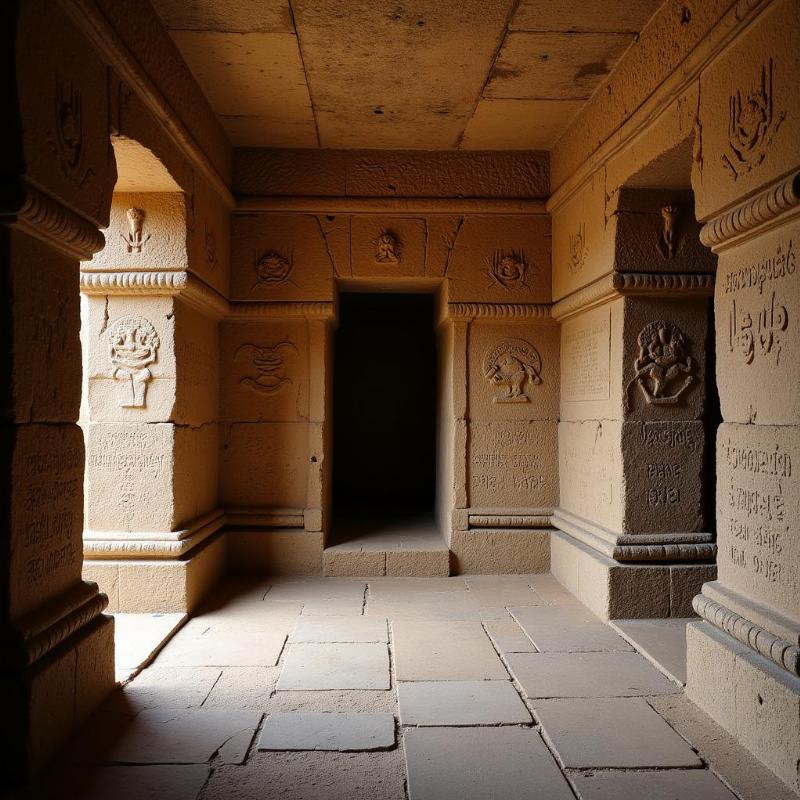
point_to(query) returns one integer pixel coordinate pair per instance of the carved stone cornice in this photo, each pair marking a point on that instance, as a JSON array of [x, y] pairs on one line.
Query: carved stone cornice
[[622, 284], [309, 310], [783, 653], [754, 215], [183, 284], [55, 621], [47, 219], [516, 311]]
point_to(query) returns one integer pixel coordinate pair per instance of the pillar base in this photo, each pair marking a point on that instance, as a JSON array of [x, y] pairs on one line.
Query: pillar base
[[751, 697], [498, 551], [626, 591], [139, 586]]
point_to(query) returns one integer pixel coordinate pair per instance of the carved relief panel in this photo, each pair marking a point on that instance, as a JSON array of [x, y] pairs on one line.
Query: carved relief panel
[[388, 247], [208, 236], [132, 347]]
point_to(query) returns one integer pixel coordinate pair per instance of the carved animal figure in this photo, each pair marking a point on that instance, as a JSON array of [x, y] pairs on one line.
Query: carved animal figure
[[511, 372]]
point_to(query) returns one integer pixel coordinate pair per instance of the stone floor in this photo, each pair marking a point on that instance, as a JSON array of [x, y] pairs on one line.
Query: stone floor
[[423, 688]]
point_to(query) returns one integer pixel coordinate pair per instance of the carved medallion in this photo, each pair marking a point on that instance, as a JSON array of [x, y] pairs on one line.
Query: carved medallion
[[267, 365], [134, 240], [133, 346], [578, 251], [752, 124], [512, 365], [387, 249], [668, 244], [66, 136], [509, 269], [273, 269], [663, 370]]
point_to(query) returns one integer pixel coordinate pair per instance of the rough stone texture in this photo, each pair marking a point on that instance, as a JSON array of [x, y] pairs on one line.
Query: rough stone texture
[[444, 764], [662, 785], [570, 630], [335, 666], [327, 731]]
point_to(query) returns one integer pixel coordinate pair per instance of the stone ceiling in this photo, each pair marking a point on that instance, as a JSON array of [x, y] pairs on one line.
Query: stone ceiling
[[408, 74]]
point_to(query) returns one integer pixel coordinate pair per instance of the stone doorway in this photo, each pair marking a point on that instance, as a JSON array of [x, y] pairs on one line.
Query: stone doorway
[[384, 436]]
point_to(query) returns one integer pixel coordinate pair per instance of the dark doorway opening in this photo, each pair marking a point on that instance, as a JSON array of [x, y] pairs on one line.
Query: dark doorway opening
[[384, 412]]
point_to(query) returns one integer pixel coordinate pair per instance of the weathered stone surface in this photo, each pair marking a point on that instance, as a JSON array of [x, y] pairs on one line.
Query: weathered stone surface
[[446, 763], [570, 630], [344, 732], [169, 782], [335, 666], [340, 629], [667, 784], [458, 703], [579, 732], [662, 641]]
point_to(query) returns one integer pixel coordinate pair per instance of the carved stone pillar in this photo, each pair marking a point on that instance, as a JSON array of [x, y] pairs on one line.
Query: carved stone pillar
[[56, 647], [744, 656], [633, 537], [150, 336]]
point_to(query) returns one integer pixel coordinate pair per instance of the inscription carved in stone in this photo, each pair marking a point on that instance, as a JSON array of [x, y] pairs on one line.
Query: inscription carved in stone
[[578, 251], [585, 360], [509, 269], [767, 331], [513, 364], [668, 244], [134, 239], [752, 124], [133, 346], [663, 370], [268, 364], [387, 249], [66, 136], [273, 269]]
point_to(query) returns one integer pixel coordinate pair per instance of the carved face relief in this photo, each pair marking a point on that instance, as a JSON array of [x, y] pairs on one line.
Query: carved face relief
[[752, 124], [133, 346], [663, 370], [387, 249], [267, 365], [578, 251], [273, 269], [134, 239], [66, 137], [509, 269], [668, 244], [512, 365]]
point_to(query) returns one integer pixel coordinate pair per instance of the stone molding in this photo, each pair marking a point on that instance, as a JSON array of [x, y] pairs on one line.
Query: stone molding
[[648, 547], [516, 311], [172, 284], [266, 517], [754, 215], [42, 216], [622, 284], [53, 623], [785, 654], [309, 310], [415, 206], [89, 18], [99, 545], [520, 521]]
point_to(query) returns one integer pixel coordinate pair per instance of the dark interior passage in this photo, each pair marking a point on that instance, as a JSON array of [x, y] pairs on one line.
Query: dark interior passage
[[384, 400]]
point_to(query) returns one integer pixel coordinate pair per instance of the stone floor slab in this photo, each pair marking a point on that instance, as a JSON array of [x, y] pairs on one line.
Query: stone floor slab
[[662, 641], [605, 732], [587, 675], [344, 732], [569, 629], [437, 651], [668, 784], [220, 644], [481, 764], [243, 688], [508, 637], [459, 703], [335, 666], [138, 637], [340, 629], [178, 736], [161, 781], [167, 687]]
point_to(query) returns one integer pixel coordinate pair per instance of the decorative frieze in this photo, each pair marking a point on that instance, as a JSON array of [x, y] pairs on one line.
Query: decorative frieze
[[308, 310], [517, 311]]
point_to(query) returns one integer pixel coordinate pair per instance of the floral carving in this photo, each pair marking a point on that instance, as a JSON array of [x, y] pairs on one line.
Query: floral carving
[[134, 239], [133, 346], [663, 370], [509, 269], [752, 124], [387, 249], [268, 364], [578, 251], [668, 244], [513, 364], [66, 137], [273, 269]]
